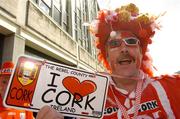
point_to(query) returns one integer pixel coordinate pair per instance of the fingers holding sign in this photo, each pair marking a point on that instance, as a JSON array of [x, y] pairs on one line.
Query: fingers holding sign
[[49, 113]]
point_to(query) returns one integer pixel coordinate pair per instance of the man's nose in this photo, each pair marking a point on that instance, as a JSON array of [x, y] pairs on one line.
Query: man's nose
[[124, 48]]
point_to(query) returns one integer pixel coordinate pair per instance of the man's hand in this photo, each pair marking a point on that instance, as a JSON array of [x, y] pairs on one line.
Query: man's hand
[[49, 113]]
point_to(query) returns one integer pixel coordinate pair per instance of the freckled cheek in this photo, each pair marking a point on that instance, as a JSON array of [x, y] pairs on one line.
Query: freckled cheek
[[114, 51], [112, 57], [112, 60], [137, 55]]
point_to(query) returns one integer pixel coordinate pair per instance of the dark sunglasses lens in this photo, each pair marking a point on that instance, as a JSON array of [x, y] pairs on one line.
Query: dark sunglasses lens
[[131, 41], [114, 43]]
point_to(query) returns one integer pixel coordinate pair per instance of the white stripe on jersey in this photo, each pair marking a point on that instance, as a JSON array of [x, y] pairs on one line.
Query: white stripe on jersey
[[163, 99]]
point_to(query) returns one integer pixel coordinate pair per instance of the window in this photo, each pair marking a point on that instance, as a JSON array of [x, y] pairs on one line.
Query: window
[[57, 4], [76, 34], [65, 21], [45, 6], [78, 22], [47, 2], [85, 18], [85, 11], [66, 15], [57, 15], [57, 11]]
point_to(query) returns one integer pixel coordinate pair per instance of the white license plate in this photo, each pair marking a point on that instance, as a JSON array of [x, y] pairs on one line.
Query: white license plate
[[73, 92]]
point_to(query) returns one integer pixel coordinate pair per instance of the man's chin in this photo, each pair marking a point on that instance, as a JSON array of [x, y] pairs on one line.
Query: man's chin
[[124, 68], [128, 72], [124, 74]]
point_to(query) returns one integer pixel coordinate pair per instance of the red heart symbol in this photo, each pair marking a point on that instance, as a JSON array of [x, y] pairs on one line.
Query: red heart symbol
[[73, 85]]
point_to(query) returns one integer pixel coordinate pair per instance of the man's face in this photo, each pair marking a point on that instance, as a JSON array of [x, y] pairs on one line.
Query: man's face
[[124, 54], [4, 79]]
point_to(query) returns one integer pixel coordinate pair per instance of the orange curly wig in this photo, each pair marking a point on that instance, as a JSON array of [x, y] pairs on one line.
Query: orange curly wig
[[125, 18]]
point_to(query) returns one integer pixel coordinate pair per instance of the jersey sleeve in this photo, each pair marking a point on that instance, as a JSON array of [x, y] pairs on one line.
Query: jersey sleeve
[[171, 84]]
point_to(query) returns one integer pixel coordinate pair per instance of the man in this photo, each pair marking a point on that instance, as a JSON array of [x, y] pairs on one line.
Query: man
[[7, 113], [122, 38]]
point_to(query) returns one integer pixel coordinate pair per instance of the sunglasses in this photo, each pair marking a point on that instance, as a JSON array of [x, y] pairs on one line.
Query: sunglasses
[[131, 41]]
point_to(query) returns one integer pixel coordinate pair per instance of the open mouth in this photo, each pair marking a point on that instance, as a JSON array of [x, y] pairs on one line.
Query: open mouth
[[125, 61]]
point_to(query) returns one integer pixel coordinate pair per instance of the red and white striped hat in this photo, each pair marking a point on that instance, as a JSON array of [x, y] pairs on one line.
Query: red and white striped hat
[[7, 68]]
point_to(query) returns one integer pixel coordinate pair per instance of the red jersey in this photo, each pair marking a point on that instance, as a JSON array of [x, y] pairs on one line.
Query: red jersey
[[160, 99], [8, 113]]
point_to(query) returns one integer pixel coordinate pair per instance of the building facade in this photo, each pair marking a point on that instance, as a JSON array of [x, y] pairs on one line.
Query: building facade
[[49, 29]]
